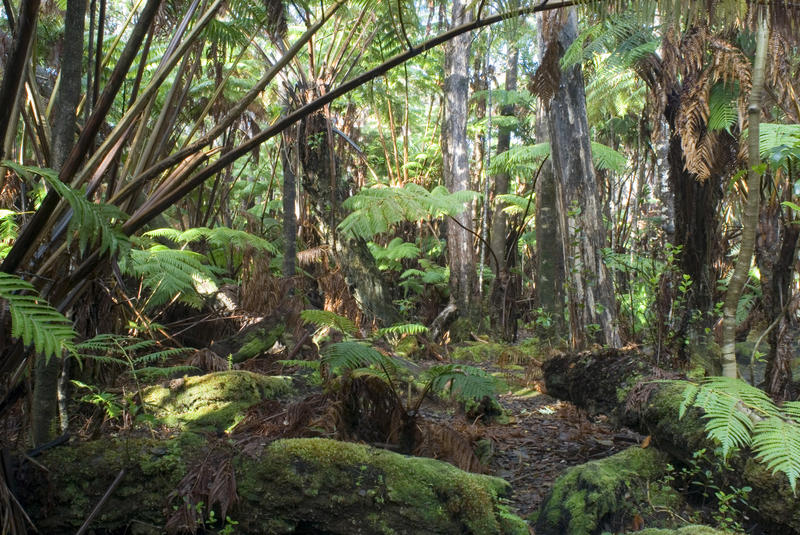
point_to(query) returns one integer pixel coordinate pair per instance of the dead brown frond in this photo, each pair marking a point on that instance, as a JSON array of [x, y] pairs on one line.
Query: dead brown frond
[[691, 123], [208, 361], [545, 80], [337, 294], [313, 255], [207, 485], [261, 292], [448, 444], [783, 76]]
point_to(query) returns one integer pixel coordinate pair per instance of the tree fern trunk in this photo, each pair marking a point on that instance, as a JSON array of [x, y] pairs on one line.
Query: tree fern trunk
[[750, 219]]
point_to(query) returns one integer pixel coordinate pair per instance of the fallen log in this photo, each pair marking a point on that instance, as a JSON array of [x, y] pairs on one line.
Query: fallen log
[[626, 387], [287, 486]]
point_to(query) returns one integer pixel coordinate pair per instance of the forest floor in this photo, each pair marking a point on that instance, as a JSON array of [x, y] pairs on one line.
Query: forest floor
[[543, 437]]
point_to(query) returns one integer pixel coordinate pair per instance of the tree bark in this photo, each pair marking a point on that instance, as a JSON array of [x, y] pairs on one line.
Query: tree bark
[[591, 302], [498, 241], [46, 371], [750, 219], [455, 155], [289, 217]]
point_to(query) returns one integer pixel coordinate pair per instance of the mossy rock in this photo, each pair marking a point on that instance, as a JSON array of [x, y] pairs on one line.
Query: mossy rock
[[289, 486], [255, 340], [215, 400], [587, 496]]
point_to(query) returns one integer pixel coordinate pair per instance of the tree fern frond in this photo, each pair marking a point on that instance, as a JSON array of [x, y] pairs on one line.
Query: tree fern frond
[[218, 237], [403, 328], [689, 396], [520, 158], [168, 272], [396, 249], [164, 354], [92, 222], [353, 355], [792, 410], [463, 382], [514, 204], [604, 157], [772, 136], [725, 423], [776, 442], [33, 320], [325, 318], [153, 373], [723, 111]]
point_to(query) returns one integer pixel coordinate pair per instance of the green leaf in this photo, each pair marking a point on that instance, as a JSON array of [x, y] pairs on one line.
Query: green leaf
[[324, 318], [776, 443], [33, 320]]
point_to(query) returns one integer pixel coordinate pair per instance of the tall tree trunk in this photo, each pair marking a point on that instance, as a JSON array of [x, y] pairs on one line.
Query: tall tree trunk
[[591, 293], [750, 219], [549, 250], [46, 371], [500, 287], [289, 216], [776, 244], [461, 256]]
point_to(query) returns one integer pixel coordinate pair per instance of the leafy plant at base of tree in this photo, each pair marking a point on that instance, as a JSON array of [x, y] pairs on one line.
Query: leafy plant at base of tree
[[739, 415]]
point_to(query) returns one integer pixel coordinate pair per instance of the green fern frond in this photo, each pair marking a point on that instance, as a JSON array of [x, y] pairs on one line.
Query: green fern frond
[[776, 442], [723, 111], [604, 157], [689, 395], [154, 373], [33, 320], [463, 382], [515, 204], [168, 272], [771, 136], [324, 318], [353, 355], [725, 423], [164, 354], [403, 328], [92, 222], [375, 210], [520, 159], [217, 237], [792, 410], [397, 249]]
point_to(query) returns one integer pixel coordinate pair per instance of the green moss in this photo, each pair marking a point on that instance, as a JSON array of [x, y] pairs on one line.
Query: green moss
[[442, 498], [258, 341], [685, 530], [586, 494], [408, 346], [215, 400]]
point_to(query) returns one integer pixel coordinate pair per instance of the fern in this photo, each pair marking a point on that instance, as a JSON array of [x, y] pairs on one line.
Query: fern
[[722, 109], [772, 136], [168, 273], [324, 318], [217, 237], [604, 157], [463, 382], [403, 328], [33, 320], [92, 222], [354, 355], [375, 210], [8, 231], [739, 415], [520, 159], [776, 443]]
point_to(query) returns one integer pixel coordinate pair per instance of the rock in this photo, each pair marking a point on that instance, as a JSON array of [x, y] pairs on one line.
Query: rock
[[288, 486]]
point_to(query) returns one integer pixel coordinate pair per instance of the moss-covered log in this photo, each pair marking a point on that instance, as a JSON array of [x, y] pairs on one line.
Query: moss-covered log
[[603, 492], [288, 486], [621, 384]]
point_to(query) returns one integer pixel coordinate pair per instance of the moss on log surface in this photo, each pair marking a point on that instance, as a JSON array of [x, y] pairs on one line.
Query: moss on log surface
[[622, 384], [585, 496], [288, 486], [213, 401]]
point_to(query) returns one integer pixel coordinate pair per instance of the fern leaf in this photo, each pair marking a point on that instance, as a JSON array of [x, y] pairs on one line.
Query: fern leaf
[[689, 396], [604, 157], [464, 382], [353, 355], [792, 410], [217, 237], [776, 443], [324, 318], [92, 222], [33, 320], [403, 328]]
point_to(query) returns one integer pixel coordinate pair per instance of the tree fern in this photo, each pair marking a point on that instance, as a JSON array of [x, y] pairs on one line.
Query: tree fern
[[354, 355], [739, 415], [91, 222], [218, 237], [772, 136], [515, 204], [403, 328], [168, 273], [325, 318], [723, 111], [463, 382], [389, 257], [604, 157], [375, 210], [8, 231], [33, 320]]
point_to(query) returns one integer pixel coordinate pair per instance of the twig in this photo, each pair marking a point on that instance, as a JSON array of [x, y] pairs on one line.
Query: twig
[[100, 504]]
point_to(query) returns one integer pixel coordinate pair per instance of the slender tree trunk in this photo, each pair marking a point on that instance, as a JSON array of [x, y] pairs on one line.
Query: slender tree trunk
[[46, 371], [499, 233], [461, 256], [289, 217], [591, 294], [750, 219]]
